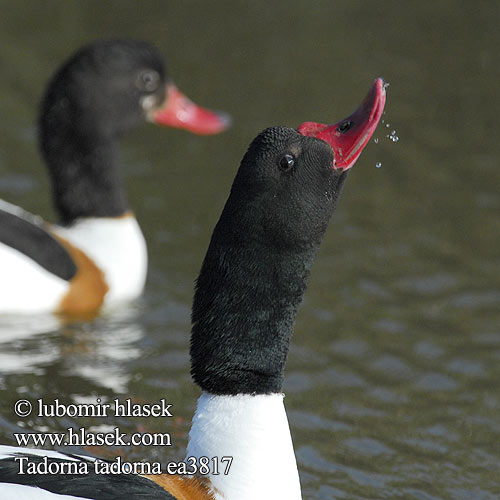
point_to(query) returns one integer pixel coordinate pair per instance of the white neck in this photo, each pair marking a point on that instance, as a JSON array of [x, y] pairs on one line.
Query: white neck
[[254, 431]]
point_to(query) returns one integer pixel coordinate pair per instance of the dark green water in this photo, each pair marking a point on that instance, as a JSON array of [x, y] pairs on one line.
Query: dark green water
[[393, 377]]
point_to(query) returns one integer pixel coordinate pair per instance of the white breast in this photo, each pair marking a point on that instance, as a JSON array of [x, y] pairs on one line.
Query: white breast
[[25, 286], [117, 247], [254, 431]]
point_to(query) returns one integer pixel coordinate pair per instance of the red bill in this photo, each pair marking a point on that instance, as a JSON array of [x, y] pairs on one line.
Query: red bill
[[180, 112], [349, 136]]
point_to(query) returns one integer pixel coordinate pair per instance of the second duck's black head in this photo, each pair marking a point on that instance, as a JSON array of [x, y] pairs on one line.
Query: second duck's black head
[[103, 90]]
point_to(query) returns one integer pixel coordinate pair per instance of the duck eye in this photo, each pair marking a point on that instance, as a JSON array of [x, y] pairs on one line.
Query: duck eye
[[286, 162], [148, 80], [344, 127]]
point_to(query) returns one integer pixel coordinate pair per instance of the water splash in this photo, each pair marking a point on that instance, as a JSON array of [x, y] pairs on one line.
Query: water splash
[[392, 136], [375, 140], [378, 164]]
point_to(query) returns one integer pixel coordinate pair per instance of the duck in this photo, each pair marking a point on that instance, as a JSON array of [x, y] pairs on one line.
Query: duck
[[95, 256], [247, 294]]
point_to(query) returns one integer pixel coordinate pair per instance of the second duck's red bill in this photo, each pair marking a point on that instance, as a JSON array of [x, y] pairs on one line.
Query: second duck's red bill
[[180, 112]]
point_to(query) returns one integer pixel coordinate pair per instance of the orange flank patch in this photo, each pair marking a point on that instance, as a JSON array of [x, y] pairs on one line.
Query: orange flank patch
[[87, 288], [125, 215], [184, 487]]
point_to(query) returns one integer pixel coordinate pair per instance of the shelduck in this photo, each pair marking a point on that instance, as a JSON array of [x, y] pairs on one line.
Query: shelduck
[[247, 294], [96, 255]]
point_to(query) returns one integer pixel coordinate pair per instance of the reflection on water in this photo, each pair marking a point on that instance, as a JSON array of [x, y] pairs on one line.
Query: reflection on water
[[392, 379], [94, 351], [42, 358]]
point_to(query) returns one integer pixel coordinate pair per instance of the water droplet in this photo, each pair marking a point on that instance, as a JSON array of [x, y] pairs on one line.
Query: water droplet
[[375, 140], [392, 136], [378, 164], [387, 125]]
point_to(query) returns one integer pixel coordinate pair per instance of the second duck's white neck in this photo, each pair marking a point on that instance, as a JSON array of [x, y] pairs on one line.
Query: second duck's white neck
[[254, 431]]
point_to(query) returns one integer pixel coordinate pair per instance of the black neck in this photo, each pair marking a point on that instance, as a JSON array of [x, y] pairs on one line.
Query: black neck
[[84, 174], [256, 268], [244, 311]]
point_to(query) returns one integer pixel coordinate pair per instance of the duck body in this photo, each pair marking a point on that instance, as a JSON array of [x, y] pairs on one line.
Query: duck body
[[69, 269], [247, 295], [117, 248], [96, 256]]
